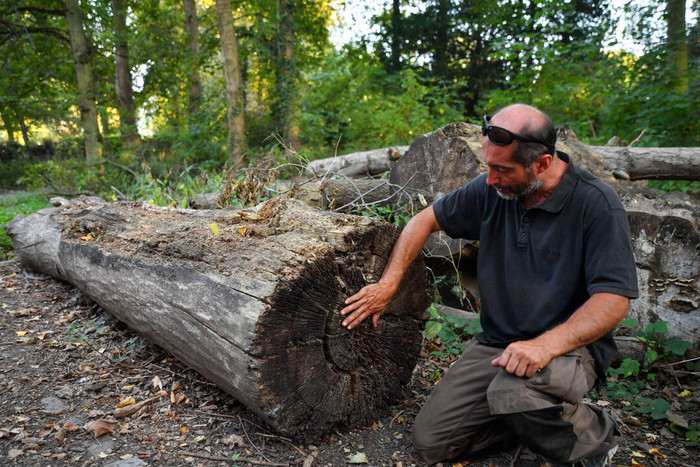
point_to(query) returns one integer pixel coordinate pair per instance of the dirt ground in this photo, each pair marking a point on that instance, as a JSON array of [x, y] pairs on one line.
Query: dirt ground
[[66, 366]]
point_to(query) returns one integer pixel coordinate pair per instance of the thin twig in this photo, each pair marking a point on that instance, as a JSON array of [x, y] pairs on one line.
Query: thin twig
[[637, 139], [516, 455], [250, 441], [243, 460], [367, 205]]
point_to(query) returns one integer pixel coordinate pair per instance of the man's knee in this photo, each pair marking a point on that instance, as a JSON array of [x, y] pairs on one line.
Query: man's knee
[[426, 442]]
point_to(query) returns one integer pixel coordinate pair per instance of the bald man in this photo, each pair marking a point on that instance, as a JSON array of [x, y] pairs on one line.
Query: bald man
[[555, 272]]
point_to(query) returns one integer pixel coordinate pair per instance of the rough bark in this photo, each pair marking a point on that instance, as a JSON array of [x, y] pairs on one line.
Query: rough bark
[[677, 45], [86, 88], [254, 307], [357, 164], [122, 74], [192, 29], [286, 73], [634, 163], [232, 72]]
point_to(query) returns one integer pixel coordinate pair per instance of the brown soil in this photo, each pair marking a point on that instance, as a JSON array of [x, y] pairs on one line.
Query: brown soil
[[65, 365]]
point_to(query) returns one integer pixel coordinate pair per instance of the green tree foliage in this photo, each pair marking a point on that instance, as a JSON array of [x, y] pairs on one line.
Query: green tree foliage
[[352, 103], [36, 71], [432, 63]]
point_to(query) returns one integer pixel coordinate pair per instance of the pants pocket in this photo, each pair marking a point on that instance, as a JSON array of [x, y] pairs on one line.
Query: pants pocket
[[565, 379]]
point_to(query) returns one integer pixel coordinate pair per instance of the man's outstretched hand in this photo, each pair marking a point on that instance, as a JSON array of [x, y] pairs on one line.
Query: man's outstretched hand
[[523, 358], [371, 300]]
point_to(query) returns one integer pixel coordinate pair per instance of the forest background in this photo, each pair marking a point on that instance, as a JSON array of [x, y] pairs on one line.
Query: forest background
[[159, 99]]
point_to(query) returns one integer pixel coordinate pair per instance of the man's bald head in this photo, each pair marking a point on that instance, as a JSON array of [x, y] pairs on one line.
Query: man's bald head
[[529, 121]]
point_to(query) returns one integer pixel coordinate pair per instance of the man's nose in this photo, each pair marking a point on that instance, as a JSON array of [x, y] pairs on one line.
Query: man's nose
[[492, 177]]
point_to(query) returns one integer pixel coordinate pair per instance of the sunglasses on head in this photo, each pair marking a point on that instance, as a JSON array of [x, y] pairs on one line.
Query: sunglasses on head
[[502, 137]]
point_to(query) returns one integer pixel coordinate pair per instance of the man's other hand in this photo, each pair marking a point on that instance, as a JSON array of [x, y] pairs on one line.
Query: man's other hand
[[524, 358], [371, 300]]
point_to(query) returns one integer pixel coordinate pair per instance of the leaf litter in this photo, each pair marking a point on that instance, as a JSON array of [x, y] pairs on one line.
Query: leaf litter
[[79, 388]]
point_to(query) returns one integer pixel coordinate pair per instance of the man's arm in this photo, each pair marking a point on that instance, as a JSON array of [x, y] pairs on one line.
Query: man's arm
[[372, 299], [600, 313]]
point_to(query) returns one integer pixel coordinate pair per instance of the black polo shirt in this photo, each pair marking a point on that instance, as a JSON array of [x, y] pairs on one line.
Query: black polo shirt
[[537, 266]]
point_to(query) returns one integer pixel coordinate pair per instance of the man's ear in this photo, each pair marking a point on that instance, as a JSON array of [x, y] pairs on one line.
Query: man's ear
[[542, 163]]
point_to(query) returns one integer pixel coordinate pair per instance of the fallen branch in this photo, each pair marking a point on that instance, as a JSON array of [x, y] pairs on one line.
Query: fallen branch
[[243, 460]]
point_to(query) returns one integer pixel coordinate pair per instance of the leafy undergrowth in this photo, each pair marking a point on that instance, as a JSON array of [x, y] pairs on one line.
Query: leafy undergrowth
[[79, 388]]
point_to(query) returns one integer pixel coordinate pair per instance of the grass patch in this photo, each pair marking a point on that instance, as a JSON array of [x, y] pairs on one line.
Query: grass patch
[[11, 206]]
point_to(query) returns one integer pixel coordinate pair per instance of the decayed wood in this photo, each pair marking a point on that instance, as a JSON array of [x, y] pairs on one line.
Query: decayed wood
[[635, 163], [251, 303], [666, 243]]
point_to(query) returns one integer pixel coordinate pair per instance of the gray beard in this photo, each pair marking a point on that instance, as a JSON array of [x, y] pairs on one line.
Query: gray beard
[[521, 191]]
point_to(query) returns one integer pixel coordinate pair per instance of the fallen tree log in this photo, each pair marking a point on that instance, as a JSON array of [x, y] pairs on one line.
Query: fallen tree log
[[357, 164], [626, 163], [635, 163], [249, 299]]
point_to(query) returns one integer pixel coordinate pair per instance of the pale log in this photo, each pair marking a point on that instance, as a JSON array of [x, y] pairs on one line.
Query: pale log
[[250, 299], [651, 163], [357, 164]]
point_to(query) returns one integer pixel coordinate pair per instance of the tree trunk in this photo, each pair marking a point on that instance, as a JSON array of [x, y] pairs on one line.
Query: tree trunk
[[252, 305], [25, 131], [7, 123], [122, 74], [396, 36], [192, 29], [677, 45], [285, 73], [86, 89], [232, 72]]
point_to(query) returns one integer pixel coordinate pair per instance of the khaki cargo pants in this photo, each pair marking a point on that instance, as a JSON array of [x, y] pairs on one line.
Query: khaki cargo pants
[[475, 406]]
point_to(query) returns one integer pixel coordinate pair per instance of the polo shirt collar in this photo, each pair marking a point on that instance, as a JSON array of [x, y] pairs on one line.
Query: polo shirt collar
[[566, 185]]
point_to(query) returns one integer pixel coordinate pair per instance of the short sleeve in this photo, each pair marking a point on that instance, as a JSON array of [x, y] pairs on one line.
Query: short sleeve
[[459, 213], [608, 257]]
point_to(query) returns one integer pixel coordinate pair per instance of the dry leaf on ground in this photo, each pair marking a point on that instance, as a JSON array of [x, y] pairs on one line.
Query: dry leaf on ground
[[101, 427]]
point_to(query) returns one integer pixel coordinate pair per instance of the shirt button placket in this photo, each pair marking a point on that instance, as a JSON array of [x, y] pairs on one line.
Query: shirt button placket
[[524, 231]]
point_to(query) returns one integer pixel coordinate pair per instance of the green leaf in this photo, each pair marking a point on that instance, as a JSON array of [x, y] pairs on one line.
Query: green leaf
[[448, 335], [432, 328], [456, 321], [677, 346], [474, 327], [432, 311], [652, 356], [629, 323], [658, 327], [630, 367], [678, 429], [656, 408]]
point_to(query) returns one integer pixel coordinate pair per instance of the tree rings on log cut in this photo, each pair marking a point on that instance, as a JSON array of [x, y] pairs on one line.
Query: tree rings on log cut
[[250, 299]]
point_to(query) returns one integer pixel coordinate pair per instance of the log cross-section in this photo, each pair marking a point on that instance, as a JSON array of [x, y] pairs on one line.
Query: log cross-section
[[250, 299]]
